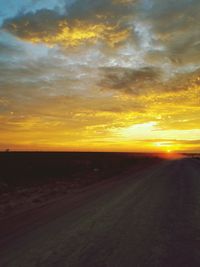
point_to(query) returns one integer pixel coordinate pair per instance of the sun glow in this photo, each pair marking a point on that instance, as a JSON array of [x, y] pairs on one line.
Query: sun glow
[[93, 77]]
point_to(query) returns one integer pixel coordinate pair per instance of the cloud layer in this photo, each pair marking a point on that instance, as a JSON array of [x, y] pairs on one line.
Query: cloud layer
[[126, 62]]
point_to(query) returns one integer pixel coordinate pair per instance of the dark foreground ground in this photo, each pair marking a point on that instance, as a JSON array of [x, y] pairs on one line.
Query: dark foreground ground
[[38, 168], [148, 217], [31, 179]]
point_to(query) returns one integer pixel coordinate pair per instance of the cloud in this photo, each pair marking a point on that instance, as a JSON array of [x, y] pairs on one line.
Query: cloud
[[176, 26], [89, 22], [9, 49], [130, 81], [149, 81], [169, 28], [92, 66]]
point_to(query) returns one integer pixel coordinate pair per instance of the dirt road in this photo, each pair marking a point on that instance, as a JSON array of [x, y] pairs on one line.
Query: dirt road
[[151, 218]]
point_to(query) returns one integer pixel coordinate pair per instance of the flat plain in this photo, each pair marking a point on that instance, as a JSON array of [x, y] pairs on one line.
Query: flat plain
[[139, 211]]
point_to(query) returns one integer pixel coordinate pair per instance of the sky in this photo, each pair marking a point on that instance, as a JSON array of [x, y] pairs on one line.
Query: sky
[[109, 75]]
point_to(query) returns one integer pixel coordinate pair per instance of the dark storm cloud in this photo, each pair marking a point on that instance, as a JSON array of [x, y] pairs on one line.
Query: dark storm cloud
[[147, 80], [33, 24], [128, 80], [99, 10]]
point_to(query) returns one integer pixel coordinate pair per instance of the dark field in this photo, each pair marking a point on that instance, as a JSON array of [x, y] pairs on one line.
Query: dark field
[[36, 168], [30, 179]]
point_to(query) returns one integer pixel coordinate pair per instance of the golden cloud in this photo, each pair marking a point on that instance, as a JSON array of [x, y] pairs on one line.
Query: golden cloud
[[80, 32], [67, 34], [148, 87]]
